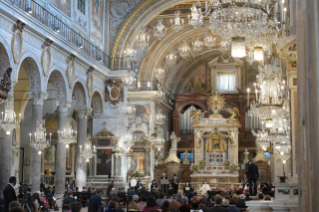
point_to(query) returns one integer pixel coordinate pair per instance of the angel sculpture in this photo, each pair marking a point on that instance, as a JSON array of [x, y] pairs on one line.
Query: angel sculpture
[[195, 114], [234, 115]]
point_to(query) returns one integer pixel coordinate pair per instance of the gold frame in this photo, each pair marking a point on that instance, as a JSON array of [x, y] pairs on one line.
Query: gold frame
[[16, 60], [209, 147], [46, 73]]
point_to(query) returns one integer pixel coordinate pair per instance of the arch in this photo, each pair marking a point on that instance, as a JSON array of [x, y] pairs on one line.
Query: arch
[[33, 69], [6, 59], [80, 92], [97, 102], [60, 82]]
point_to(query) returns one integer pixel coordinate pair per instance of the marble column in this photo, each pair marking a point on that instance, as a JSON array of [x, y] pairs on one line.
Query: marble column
[[80, 162], [147, 162], [60, 164], [72, 159], [37, 114], [42, 164], [5, 158]]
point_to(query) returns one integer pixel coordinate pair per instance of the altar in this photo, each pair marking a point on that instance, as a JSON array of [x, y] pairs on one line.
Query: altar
[[215, 144]]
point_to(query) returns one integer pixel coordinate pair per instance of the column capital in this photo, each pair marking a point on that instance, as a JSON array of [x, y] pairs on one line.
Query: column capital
[[38, 97], [83, 112], [63, 105]]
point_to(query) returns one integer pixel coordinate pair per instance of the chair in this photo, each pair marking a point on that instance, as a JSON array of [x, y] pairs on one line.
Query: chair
[[50, 202], [242, 209], [84, 200], [65, 207]]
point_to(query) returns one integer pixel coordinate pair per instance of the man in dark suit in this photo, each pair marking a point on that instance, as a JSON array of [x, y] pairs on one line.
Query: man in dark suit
[[9, 194], [96, 202], [217, 207], [253, 175], [164, 187]]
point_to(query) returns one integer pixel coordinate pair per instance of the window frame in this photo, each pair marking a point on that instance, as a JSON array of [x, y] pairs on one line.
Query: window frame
[[83, 6], [218, 71]]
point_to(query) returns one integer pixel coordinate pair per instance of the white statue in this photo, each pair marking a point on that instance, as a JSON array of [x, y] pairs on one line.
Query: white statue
[[174, 141]]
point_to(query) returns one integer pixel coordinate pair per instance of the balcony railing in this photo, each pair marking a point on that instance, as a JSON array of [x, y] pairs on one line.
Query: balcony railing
[[51, 21]]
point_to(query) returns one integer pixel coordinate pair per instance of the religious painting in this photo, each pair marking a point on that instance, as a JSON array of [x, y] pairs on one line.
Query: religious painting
[[17, 46], [46, 60], [105, 141], [197, 82], [63, 5], [103, 163], [97, 19], [215, 144], [136, 162]]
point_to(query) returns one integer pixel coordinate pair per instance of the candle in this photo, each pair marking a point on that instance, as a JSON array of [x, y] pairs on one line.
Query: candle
[[30, 136], [94, 148], [248, 96], [50, 136]]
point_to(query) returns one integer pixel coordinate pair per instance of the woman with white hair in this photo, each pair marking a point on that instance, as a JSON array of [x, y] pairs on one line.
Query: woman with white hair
[[185, 206]]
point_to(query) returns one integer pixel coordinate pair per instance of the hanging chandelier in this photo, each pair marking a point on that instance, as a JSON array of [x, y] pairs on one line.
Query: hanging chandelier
[[258, 53], [198, 46], [209, 41], [130, 54], [238, 48], [40, 141], [87, 152], [184, 50], [196, 18], [9, 120], [159, 74], [171, 59], [143, 40], [68, 135], [160, 30], [177, 23], [262, 138], [158, 142], [250, 57]]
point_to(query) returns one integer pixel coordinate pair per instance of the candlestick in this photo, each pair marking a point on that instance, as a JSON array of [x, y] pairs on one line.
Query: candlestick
[[248, 96]]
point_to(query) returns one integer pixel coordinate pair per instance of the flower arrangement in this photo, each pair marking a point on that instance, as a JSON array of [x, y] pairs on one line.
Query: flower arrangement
[[233, 167], [136, 174], [202, 163], [194, 167], [226, 163]]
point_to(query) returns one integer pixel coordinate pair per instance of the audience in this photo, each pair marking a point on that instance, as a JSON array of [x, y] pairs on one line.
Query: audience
[[195, 197], [165, 206], [260, 196], [232, 206], [160, 200], [135, 198], [241, 201], [174, 205], [95, 201], [267, 198], [14, 204], [150, 205], [132, 206], [111, 206], [202, 204], [68, 200], [185, 206], [16, 209], [217, 207], [195, 205], [142, 203], [179, 197], [36, 200], [75, 207], [117, 200], [235, 197], [224, 200]]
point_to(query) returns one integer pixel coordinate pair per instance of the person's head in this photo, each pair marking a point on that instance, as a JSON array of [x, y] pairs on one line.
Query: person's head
[[13, 180], [195, 205], [223, 194], [202, 201], [204, 196], [150, 202], [260, 196], [205, 182], [98, 192], [143, 198], [187, 183], [195, 193], [132, 205], [179, 194], [93, 192], [242, 196], [165, 204], [218, 200], [235, 196], [184, 200], [247, 194], [16, 209], [112, 204], [77, 189], [161, 196], [73, 181], [75, 206], [252, 160], [232, 201], [267, 198], [116, 199], [36, 196], [14, 204], [174, 197], [135, 197], [70, 193], [84, 187], [164, 175]]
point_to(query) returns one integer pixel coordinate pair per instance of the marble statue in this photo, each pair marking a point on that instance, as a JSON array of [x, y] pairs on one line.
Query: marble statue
[[174, 141]]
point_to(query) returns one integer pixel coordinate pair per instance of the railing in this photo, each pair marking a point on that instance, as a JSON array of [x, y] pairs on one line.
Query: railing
[[51, 21]]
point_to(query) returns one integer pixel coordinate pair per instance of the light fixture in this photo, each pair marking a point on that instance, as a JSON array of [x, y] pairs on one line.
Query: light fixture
[[258, 54], [159, 118], [40, 141], [8, 118], [130, 54], [196, 18], [171, 59], [87, 152], [158, 142], [159, 73], [67, 135], [184, 50], [250, 56], [238, 48], [224, 46], [177, 22], [209, 41], [160, 29], [197, 46], [143, 40]]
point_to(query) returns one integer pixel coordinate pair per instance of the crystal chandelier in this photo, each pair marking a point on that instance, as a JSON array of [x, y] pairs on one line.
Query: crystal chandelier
[[177, 22], [184, 50], [197, 46], [171, 59], [87, 152], [8, 119], [158, 142], [224, 46], [40, 141], [159, 74], [238, 48], [258, 54], [130, 54], [262, 138], [68, 135], [250, 56], [209, 41], [160, 30], [143, 40], [196, 18]]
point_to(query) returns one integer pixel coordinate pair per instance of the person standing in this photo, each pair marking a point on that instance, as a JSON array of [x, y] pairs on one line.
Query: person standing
[[164, 187], [9, 194], [175, 184], [187, 188], [253, 175]]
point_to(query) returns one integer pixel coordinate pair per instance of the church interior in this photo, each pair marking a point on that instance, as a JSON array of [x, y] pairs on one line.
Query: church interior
[[96, 92]]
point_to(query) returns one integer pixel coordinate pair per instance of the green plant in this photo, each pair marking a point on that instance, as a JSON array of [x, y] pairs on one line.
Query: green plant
[[226, 163], [194, 167], [233, 167], [202, 163], [136, 174]]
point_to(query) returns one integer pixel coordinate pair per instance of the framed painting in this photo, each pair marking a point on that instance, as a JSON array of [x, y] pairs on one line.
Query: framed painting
[[103, 162]]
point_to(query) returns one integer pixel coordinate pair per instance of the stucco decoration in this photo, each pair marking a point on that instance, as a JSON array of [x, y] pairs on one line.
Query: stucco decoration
[[33, 74], [119, 10], [70, 72], [89, 82], [17, 41], [46, 57], [97, 103], [59, 84], [4, 60], [114, 91], [79, 94]]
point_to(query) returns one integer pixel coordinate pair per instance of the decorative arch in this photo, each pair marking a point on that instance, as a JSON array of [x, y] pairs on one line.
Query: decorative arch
[[57, 70], [6, 53], [80, 93], [4, 60], [97, 103], [59, 83]]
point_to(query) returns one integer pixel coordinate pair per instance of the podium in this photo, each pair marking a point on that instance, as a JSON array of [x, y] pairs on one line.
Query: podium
[[164, 185]]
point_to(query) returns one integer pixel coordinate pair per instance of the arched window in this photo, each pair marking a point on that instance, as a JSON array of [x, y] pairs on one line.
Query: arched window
[[185, 121]]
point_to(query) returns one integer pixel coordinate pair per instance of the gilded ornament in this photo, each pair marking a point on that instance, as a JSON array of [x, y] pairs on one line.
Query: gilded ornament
[[114, 91], [195, 114], [216, 102]]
